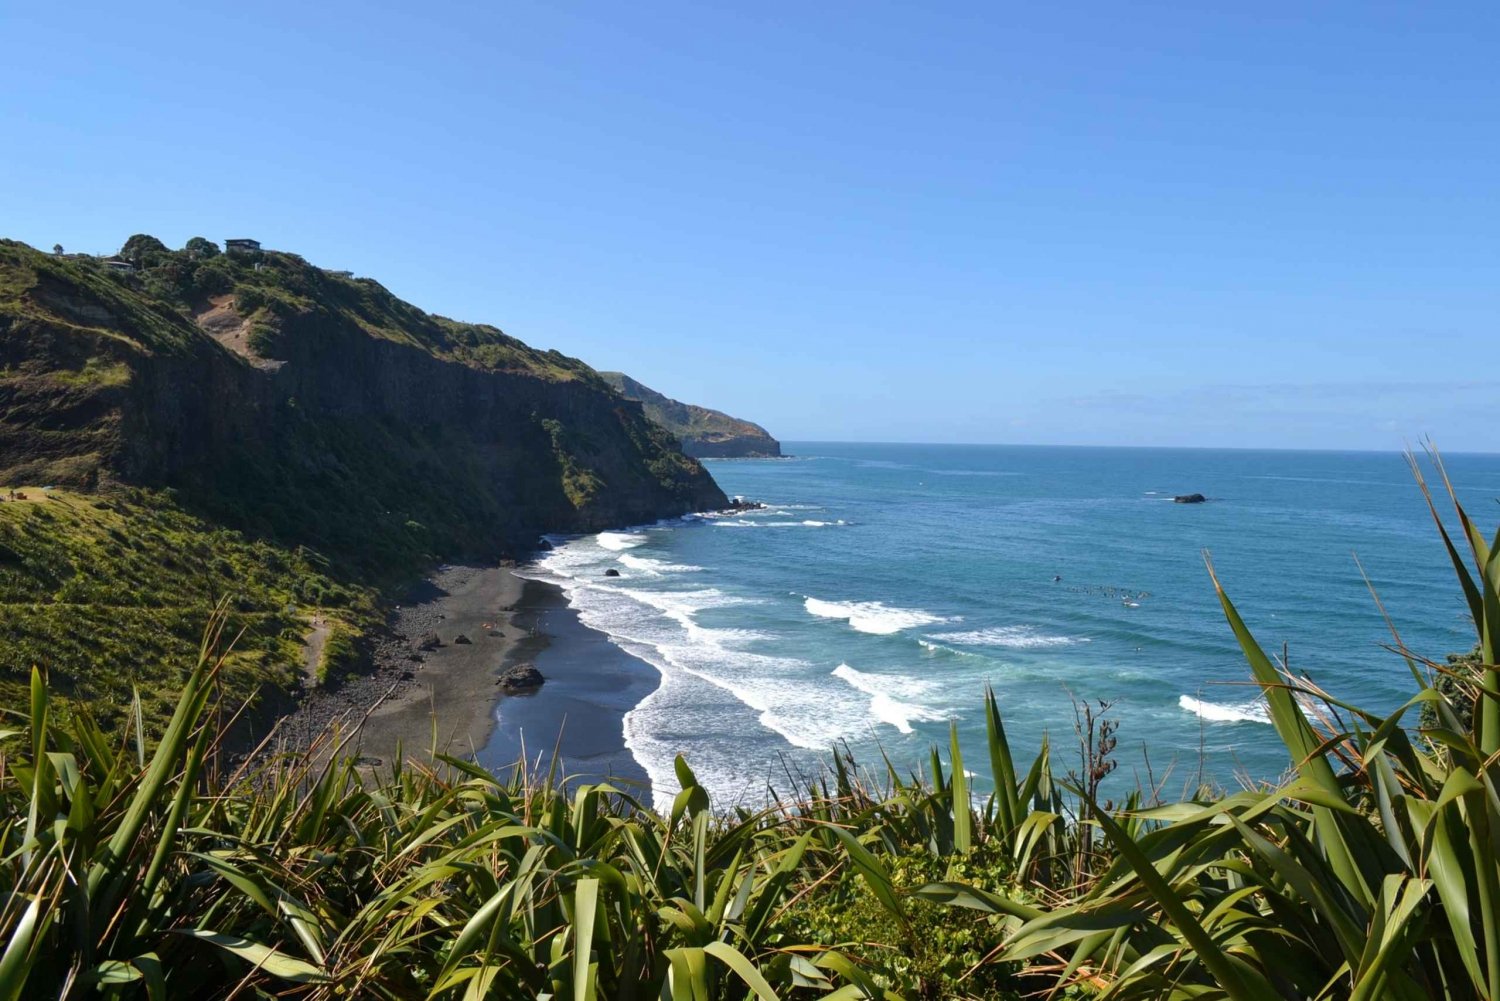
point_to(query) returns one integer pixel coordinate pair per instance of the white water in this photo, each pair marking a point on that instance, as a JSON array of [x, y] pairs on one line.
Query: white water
[[1245, 712], [884, 706], [1016, 637], [871, 616]]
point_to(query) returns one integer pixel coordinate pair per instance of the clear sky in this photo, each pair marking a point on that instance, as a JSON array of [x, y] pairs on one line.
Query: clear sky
[[1146, 223]]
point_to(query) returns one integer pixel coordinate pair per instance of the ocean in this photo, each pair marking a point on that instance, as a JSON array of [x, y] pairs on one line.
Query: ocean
[[884, 586]]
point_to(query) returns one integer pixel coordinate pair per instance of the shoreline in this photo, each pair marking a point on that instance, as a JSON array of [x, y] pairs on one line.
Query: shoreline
[[422, 700], [576, 721], [447, 698]]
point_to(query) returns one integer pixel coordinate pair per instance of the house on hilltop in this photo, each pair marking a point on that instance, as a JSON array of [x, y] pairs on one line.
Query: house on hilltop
[[242, 246]]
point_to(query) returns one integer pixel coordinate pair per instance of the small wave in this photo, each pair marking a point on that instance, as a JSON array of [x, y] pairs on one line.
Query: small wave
[[1015, 637], [616, 541], [872, 616], [940, 648], [1245, 712], [807, 523], [883, 706], [655, 566]]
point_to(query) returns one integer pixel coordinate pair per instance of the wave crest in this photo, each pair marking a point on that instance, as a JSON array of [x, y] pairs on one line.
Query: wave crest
[[1014, 637], [883, 706], [872, 616], [617, 541], [1245, 712], [649, 565]]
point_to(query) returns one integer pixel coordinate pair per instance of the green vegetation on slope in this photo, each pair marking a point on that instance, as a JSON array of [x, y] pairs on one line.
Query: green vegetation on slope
[[703, 432], [318, 425], [1373, 872], [315, 408], [110, 594]]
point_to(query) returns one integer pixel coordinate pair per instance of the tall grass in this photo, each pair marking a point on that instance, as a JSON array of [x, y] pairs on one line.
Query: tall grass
[[136, 871]]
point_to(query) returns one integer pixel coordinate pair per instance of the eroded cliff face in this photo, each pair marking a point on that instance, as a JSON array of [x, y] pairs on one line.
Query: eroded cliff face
[[331, 414]]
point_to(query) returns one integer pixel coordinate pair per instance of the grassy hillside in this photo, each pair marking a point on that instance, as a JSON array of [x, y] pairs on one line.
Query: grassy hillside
[[109, 595]]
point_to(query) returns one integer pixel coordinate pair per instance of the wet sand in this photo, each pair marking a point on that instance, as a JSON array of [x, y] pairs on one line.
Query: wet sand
[[447, 698], [579, 711]]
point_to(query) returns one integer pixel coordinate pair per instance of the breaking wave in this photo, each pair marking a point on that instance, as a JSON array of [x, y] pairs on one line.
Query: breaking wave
[[1014, 637], [883, 704], [649, 565], [617, 541], [872, 616], [1245, 712]]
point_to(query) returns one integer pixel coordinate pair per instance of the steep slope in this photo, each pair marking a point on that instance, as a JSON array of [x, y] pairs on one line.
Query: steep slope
[[256, 430], [704, 433], [316, 408]]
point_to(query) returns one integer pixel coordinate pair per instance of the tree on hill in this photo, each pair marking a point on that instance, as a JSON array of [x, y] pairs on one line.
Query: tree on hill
[[202, 248], [143, 250]]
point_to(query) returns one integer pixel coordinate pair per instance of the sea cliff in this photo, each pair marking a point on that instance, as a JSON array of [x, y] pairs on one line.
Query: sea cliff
[[316, 407], [192, 428], [703, 433]]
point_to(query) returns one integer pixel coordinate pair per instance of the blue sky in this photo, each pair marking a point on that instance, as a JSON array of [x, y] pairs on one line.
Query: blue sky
[[1257, 225]]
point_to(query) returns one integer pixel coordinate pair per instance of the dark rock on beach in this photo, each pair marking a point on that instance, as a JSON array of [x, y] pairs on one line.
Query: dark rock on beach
[[521, 678], [461, 638], [1189, 499], [428, 641]]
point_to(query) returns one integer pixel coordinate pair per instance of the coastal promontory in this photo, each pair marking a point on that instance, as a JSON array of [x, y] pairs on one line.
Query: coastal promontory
[[703, 433]]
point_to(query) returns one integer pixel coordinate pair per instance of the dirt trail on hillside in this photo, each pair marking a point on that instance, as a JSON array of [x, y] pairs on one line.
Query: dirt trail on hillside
[[316, 639]]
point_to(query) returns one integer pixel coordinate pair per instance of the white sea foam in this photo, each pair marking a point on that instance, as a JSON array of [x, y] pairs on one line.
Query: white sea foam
[[712, 678], [1014, 637], [1245, 712], [805, 523], [649, 565], [616, 541], [940, 648], [882, 690], [872, 616]]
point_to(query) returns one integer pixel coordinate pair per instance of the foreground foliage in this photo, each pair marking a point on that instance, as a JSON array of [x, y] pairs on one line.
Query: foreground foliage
[[1373, 872]]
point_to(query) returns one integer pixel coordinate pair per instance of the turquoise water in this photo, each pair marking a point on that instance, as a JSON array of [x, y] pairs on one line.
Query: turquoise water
[[886, 584]]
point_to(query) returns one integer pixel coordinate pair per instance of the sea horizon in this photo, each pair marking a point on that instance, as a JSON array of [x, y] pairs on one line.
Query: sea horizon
[[1416, 449]]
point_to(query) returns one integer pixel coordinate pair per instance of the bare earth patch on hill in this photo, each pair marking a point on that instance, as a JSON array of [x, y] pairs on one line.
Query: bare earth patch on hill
[[224, 324]]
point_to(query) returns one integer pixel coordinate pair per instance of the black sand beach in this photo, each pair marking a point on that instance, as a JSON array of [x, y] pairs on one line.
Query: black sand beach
[[447, 697], [591, 684]]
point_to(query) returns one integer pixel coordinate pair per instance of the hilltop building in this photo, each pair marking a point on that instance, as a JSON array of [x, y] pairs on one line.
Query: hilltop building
[[242, 246]]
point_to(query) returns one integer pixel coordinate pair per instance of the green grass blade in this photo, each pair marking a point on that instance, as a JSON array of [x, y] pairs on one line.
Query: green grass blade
[[959, 796]]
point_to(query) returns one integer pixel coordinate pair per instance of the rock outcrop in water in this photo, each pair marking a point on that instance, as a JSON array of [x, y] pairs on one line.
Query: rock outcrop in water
[[1189, 499], [704, 433], [519, 679]]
